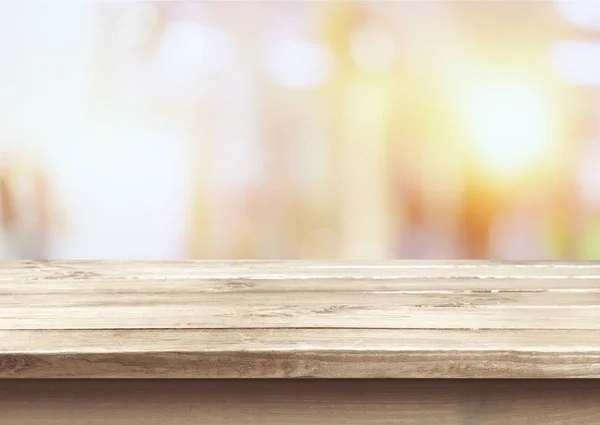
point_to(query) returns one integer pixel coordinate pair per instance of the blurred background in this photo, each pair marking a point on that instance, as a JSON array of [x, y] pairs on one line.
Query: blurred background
[[299, 129]]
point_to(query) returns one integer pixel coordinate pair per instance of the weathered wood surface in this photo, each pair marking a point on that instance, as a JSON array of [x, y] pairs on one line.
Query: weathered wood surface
[[300, 402], [255, 319]]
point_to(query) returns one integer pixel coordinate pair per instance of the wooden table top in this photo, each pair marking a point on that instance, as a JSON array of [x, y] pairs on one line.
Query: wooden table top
[[288, 319]]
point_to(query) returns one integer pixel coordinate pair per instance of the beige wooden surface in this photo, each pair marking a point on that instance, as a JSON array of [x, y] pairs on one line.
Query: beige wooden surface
[[300, 402], [254, 319]]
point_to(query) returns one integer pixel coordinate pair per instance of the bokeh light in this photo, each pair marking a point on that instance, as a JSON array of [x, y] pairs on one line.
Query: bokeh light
[[259, 129], [512, 123]]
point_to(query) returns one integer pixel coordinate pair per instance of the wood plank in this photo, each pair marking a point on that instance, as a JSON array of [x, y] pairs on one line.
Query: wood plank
[[300, 402], [307, 300], [317, 353], [320, 315], [284, 302], [535, 310], [290, 270], [111, 285]]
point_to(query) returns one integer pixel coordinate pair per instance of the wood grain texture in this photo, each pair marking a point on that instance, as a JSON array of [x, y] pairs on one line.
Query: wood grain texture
[[300, 402], [301, 353], [256, 319]]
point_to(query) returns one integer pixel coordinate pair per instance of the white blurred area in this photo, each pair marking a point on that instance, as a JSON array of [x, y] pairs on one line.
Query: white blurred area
[[305, 129], [118, 179]]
